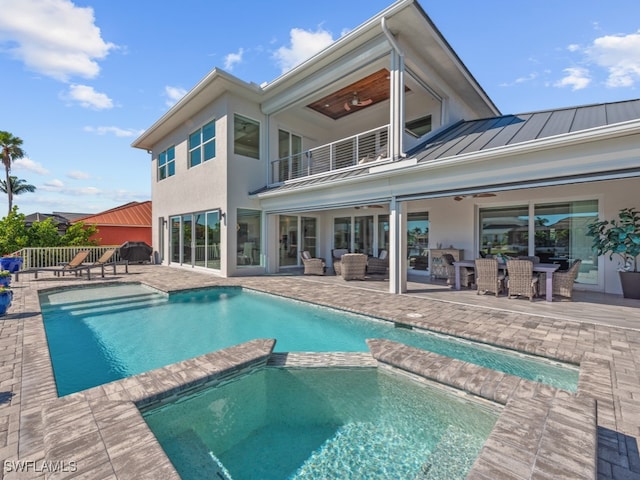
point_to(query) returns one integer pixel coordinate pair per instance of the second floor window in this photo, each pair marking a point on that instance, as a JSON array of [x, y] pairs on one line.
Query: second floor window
[[202, 144], [167, 163]]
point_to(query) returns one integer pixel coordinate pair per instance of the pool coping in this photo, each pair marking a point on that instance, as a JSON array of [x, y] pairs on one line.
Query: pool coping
[[103, 430], [600, 373]]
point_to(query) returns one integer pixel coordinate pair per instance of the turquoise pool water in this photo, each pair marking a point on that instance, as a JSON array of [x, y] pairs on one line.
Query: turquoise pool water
[[322, 424], [100, 334]]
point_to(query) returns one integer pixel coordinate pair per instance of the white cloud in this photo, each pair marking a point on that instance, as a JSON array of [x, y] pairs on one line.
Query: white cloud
[[117, 131], [620, 56], [576, 77], [53, 37], [232, 59], [529, 78], [29, 165], [87, 97], [53, 185], [78, 175], [173, 94], [304, 44]]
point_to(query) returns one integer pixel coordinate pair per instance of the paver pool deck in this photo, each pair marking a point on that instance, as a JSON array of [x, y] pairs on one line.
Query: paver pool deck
[[541, 433]]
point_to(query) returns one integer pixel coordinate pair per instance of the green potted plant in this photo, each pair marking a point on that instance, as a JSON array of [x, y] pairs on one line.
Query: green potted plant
[[5, 278], [6, 295], [621, 238]]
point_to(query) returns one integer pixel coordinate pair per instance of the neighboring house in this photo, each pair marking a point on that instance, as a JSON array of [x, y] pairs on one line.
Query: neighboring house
[[60, 220], [383, 140], [129, 222]]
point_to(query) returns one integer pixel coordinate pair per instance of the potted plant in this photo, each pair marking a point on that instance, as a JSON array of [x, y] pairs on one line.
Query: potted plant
[[5, 278], [6, 295], [11, 263], [621, 238]]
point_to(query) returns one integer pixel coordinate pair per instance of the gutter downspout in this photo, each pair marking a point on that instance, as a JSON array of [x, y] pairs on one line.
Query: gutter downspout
[[396, 97]]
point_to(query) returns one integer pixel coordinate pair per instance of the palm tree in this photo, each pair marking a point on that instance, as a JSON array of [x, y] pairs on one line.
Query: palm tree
[[11, 148], [18, 186]]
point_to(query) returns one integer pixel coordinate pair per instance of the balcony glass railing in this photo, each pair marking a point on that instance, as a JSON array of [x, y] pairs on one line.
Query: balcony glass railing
[[347, 152]]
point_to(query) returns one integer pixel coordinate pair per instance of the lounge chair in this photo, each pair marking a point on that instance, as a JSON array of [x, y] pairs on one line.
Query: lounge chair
[[312, 266], [488, 276], [353, 266], [521, 279], [104, 261], [378, 264], [336, 257], [75, 265]]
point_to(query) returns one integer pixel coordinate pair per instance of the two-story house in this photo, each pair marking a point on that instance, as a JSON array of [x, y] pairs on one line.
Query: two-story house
[[383, 141]]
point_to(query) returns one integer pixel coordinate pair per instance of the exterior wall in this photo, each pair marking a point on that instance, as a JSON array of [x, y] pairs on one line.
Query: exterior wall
[[197, 189], [113, 235]]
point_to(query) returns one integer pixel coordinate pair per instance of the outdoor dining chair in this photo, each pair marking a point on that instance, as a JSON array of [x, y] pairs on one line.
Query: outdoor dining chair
[[521, 281], [488, 276]]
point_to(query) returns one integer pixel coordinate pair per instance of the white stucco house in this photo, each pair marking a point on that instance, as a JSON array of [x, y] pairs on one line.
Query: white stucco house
[[383, 140]]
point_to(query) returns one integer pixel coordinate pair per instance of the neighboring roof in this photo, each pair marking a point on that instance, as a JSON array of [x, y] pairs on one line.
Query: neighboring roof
[[71, 216], [133, 214], [468, 137], [40, 217]]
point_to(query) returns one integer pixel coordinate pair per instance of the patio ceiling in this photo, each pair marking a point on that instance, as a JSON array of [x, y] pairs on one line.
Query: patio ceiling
[[355, 97]]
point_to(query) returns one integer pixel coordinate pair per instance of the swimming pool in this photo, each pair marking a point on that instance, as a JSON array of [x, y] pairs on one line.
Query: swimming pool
[[100, 334], [322, 423]]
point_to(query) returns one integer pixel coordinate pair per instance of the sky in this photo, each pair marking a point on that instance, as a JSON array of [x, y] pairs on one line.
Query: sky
[[81, 80]]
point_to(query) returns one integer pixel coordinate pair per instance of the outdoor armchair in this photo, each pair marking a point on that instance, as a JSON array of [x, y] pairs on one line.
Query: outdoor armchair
[[488, 276], [521, 279], [378, 264], [562, 280], [336, 257], [312, 266], [353, 266]]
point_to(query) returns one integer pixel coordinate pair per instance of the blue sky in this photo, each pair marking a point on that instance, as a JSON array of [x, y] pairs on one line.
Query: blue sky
[[80, 80]]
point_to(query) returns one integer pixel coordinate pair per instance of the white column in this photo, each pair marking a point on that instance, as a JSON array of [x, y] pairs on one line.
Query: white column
[[397, 246], [396, 120]]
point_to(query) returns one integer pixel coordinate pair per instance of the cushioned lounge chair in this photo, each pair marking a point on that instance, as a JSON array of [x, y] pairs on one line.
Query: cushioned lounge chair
[[312, 266], [336, 257], [75, 265], [353, 266]]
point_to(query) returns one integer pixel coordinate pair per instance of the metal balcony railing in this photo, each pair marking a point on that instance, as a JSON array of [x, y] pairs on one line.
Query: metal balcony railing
[[347, 152]]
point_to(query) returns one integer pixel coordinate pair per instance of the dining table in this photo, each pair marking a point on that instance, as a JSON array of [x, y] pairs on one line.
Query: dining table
[[547, 268]]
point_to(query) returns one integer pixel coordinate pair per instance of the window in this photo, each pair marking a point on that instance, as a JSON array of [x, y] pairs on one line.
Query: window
[[248, 237], [419, 126], [167, 163], [504, 231], [246, 137], [195, 239], [202, 144]]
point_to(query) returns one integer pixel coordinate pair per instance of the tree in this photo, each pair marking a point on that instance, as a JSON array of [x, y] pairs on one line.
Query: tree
[[13, 232], [18, 186], [10, 149], [44, 234], [78, 234]]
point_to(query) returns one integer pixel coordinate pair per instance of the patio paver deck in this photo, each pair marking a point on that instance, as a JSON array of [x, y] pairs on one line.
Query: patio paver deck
[[609, 356]]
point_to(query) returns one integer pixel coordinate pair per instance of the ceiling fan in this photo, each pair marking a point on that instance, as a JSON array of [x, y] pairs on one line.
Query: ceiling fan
[[475, 195], [356, 102]]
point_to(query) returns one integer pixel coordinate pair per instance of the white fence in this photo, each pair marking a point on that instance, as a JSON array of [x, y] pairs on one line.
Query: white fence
[[52, 256]]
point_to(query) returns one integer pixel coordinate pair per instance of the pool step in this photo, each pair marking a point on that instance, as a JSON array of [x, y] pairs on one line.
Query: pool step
[[195, 458], [117, 304], [440, 462]]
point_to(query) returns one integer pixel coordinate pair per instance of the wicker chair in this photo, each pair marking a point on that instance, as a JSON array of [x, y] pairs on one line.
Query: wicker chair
[[378, 264], [521, 279], [336, 257], [562, 281], [488, 276], [533, 258], [313, 266], [467, 275], [353, 266]]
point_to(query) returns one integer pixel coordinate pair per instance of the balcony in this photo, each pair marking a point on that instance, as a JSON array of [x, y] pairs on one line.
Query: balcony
[[364, 147]]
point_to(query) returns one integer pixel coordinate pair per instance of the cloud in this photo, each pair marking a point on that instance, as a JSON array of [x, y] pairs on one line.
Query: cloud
[[232, 59], [173, 94], [87, 97], [576, 77], [53, 37], [529, 78], [117, 131], [78, 175], [304, 44], [29, 165], [53, 185], [620, 56]]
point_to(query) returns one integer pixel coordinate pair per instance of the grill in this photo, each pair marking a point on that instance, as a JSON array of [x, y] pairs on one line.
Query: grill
[[135, 252]]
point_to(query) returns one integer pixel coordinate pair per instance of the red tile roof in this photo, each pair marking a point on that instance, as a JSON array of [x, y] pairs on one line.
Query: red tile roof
[[131, 214]]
